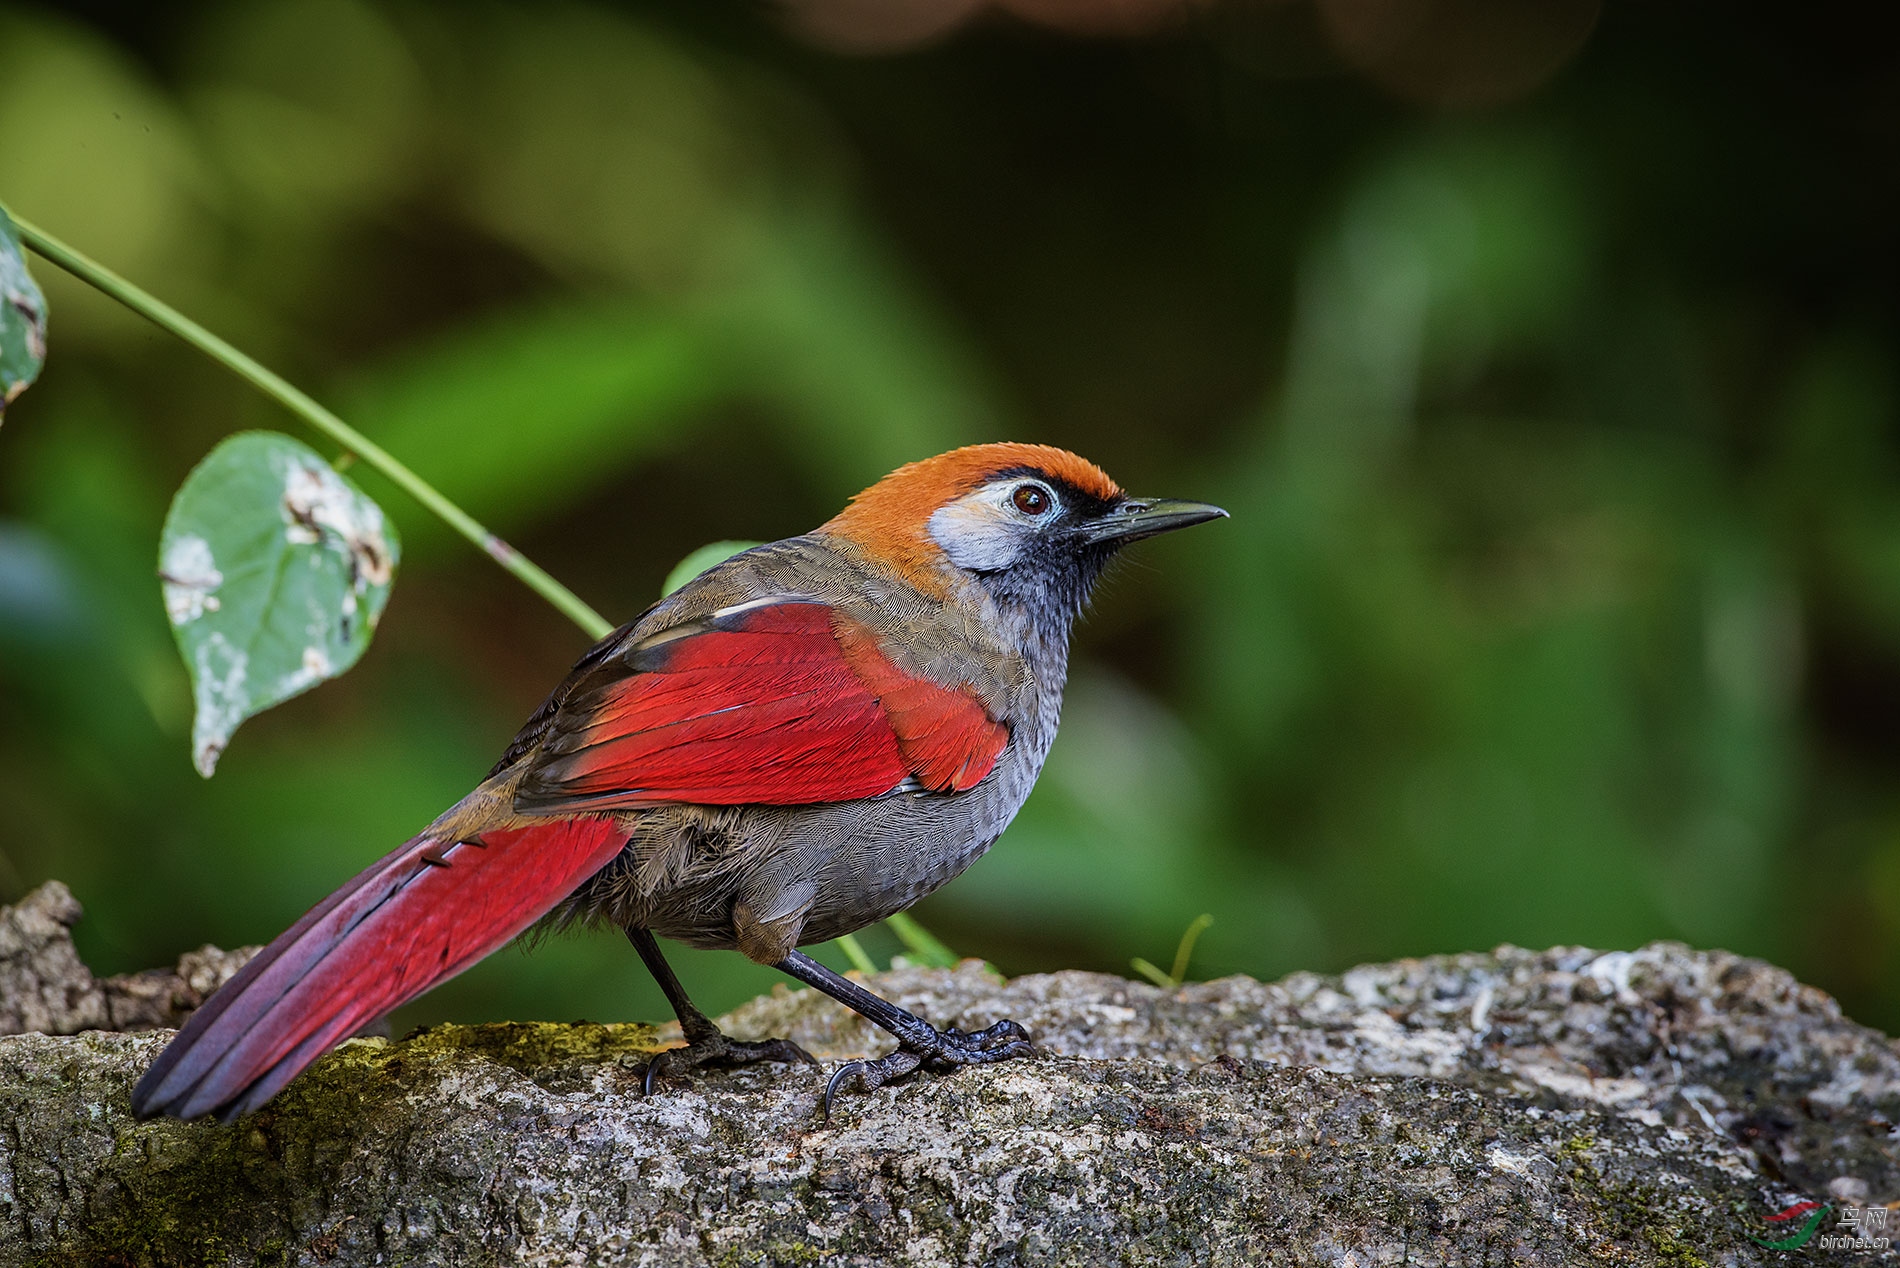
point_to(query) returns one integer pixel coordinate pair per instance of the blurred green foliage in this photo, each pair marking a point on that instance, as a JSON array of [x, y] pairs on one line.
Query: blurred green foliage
[[1561, 601]]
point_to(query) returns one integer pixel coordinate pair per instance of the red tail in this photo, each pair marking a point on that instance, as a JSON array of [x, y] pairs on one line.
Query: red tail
[[415, 918]]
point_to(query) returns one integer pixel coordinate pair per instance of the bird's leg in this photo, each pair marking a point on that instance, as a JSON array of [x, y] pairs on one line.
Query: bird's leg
[[920, 1045], [706, 1044]]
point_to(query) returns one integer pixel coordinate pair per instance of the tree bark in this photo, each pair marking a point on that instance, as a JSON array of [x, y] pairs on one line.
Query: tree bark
[[1647, 1107]]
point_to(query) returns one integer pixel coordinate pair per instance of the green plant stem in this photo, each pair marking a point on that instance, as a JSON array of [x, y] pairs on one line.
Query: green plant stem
[[1185, 952], [274, 386], [924, 947], [848, 943], [363, 448], [1152, 971]]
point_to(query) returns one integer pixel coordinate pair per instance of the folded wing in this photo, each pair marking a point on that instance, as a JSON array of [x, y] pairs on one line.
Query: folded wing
[[777, 704]]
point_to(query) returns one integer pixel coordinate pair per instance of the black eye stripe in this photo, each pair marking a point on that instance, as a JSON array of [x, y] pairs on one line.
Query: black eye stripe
[[1066, 497]]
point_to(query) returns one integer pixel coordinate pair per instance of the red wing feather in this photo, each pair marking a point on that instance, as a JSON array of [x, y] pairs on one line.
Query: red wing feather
[[785, 704], [947, 739]]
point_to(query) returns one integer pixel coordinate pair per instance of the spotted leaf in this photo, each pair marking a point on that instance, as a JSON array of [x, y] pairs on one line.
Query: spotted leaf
[[274, 570], [22, 318]]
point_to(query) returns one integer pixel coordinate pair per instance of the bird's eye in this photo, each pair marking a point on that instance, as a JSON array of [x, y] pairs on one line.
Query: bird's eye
[[1031, 499]]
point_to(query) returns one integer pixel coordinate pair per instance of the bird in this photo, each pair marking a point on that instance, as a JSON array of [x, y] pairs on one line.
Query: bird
[[803, 740]]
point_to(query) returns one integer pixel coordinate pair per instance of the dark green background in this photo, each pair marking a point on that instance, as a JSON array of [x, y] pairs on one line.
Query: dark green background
[[1551, 386]]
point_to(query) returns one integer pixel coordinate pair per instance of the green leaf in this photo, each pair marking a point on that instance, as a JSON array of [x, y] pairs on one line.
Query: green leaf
[[275, 570], [920, 944], [22, 318], [700, 560]]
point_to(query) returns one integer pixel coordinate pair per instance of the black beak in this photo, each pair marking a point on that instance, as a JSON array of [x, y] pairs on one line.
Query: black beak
[[1137, 518]]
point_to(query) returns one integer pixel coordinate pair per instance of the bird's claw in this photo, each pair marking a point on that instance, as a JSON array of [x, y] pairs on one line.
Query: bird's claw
[[717, 1049], [947, 1050]]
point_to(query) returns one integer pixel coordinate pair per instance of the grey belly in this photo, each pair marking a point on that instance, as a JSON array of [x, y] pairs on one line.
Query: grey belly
[[900, 854]]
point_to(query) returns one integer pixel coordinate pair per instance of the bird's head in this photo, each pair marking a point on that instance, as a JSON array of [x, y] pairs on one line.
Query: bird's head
[[1035, 525]]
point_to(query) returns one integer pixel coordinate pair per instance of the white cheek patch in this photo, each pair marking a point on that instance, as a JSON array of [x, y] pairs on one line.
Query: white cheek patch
[[976, 535]]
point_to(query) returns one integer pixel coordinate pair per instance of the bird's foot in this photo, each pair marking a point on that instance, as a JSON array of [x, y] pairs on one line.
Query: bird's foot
[[939, 1051], [716, 1049]]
